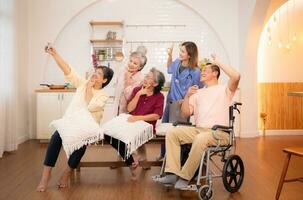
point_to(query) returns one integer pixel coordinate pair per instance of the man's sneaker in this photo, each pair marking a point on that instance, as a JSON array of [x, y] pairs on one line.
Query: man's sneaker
[[181, 184], [169, 179]]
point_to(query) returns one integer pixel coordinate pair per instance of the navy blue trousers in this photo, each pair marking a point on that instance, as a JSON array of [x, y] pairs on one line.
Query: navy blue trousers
[[53, 151]]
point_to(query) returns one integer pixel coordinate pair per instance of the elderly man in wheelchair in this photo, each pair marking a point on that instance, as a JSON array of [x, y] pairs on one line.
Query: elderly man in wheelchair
[[211, 134]]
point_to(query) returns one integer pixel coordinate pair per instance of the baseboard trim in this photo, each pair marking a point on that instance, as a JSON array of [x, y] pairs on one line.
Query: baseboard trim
[[22, 139], [248, 134], [282, 132]]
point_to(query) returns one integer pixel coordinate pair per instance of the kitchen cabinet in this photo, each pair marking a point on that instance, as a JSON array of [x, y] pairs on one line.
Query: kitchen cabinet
[[108, 112], [50, 106]]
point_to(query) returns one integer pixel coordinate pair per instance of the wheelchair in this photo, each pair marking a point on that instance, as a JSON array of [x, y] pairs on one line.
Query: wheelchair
[[233, 168]]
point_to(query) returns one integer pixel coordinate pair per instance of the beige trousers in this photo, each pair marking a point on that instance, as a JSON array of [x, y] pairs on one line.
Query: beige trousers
[[200, 138]]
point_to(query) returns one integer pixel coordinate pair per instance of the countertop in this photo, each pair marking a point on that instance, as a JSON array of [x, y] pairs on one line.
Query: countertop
[[46, 90], [42, 90]]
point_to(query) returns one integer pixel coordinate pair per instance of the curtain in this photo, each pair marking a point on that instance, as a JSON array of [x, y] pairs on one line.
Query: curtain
[[8, 80]]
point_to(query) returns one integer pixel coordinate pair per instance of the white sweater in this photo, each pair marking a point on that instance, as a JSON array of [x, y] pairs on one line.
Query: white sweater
[[96, 104]]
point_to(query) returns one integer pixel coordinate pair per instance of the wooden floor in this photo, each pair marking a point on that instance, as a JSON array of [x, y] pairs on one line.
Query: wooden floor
[[20, 172]]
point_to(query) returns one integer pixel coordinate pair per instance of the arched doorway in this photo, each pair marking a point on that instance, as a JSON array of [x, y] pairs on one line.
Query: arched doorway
[[280, 70]]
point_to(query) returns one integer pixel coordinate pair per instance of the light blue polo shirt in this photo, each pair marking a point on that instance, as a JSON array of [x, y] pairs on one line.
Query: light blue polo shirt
[[180, 82]]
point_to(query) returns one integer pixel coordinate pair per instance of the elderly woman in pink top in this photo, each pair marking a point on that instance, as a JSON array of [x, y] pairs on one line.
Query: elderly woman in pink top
[[129, 79]]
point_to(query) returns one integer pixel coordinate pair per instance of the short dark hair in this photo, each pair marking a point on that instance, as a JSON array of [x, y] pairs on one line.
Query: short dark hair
[[108, 74], [214, 68]]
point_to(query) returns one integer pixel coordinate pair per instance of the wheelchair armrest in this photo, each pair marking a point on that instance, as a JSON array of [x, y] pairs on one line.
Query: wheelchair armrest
[[182, 123], [223, 128]]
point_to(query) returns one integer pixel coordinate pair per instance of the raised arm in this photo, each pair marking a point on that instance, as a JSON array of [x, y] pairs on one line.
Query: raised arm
[[234, 76], [60, 62], [134, 101], [170, 57], [186, 108]]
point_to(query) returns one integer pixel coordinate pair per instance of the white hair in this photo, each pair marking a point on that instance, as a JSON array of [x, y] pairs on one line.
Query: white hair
[[142, 49], [141, 57]]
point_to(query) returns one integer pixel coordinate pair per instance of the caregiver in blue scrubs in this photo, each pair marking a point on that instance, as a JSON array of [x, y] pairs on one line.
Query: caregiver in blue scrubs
[[185, 73]]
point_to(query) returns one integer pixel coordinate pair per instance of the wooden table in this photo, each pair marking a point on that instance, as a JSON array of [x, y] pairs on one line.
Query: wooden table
[[145, 164]]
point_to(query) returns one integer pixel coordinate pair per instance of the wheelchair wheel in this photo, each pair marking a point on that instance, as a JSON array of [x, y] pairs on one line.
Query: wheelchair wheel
[[204, 193], [233, 173]]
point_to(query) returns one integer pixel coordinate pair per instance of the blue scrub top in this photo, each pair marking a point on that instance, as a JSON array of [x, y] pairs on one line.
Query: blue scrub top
[[180, 82]]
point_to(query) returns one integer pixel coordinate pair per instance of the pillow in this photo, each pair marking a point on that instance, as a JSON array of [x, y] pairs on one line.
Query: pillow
[[133, 134], [163, 128], [77, 129]]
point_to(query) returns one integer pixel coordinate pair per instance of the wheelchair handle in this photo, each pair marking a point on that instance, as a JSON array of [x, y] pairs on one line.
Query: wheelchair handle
[[235, 106], [238, 104], [176, 123]]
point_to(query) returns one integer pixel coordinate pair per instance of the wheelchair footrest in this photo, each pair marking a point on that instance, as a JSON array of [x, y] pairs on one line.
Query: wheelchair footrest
[[192, 187]]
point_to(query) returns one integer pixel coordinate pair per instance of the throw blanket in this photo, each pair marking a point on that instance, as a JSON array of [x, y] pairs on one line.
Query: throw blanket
[[163, 128], [77, 129], [133, 134]]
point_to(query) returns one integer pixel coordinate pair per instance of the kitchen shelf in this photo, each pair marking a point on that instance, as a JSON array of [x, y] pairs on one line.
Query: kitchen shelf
[[106, 53], [106, 23], [153, 41], [105, 41], [106, 60], [104, 46], [154, 25], [107, 47]]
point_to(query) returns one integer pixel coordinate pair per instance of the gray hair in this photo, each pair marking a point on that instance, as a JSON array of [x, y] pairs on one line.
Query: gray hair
[[158, 78], [141, 57], [142, 49]]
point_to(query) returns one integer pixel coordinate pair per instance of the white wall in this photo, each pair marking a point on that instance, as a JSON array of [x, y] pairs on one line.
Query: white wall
[[281, 64], [73, 43], [223, 17], [48, 18]]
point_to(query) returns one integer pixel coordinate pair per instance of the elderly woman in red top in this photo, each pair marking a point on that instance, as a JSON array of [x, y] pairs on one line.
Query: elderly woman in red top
[[145, 103]]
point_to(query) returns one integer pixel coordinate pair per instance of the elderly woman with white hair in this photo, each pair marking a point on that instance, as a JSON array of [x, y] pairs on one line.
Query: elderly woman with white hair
[[129, 78], [146, 103]]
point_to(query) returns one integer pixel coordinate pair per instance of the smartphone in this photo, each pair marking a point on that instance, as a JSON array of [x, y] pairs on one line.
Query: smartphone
[[48, 46]]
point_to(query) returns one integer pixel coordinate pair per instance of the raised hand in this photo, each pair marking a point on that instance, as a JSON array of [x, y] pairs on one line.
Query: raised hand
[[60, 62], [170, 55], [192, 90], [215, 59], [234, 75], [91, 83], [170, 51], [128, 74], [50, 49], [142, 91]]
